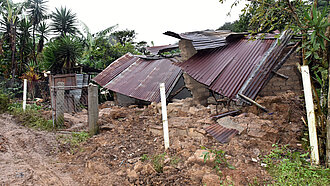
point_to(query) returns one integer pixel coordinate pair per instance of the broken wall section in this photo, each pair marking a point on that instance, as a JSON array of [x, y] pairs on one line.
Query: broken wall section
[[199, 91], [278, 85]]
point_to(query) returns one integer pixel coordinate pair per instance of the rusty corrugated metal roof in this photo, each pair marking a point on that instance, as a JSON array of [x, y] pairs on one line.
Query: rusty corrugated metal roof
[[235, 67], [114, 69], [207, 39], [220, 133], [140, 78]]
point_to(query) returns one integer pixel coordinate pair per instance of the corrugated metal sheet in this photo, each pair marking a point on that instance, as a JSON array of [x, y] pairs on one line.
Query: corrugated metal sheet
[[141, 78], [206, 39], [226, 70], [114, 69], [220, 133], [261, 74]]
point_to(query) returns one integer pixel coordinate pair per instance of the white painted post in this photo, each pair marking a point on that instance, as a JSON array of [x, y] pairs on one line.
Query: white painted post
[[310, 114], [24, 93], [164, 115]]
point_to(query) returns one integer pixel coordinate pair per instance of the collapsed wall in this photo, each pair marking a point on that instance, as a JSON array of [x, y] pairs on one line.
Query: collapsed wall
[[199, 91], [278, 85]]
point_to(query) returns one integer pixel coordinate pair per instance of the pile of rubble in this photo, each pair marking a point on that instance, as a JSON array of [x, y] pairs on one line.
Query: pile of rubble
[[130, 133]]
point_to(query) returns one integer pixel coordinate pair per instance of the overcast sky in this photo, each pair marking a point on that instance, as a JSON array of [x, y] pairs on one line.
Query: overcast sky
[[151, 18]]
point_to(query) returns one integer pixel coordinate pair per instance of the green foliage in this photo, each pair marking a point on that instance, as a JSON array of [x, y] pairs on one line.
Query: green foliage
[[158, 162], [4, 102], [144, 157], [73, 141], [31, 117], [12, 90], [60, 55], [220, 160], [292, 168], [64, 21], [104, 53], [124, 36]]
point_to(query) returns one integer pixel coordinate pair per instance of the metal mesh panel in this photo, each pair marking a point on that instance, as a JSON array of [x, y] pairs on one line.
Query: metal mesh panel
[[67, 99]]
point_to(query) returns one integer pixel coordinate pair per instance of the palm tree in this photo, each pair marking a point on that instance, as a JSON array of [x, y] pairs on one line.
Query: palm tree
[[43, 31], [61, 54], [11, 13], [24, 38], [37, 11], [64, 21]]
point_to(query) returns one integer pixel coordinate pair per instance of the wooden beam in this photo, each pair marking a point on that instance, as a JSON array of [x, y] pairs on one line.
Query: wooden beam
[[252, 101], [280, 75]]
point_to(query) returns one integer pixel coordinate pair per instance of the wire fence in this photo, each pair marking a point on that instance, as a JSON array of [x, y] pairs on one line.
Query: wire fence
[[67, 99]]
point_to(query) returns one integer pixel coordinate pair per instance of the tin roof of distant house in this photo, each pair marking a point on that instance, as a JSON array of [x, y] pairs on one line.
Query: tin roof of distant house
[[237, 65], [139, 77]]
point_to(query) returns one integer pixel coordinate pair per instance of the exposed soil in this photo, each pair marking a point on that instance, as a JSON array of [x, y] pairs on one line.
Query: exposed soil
[[28, 157], [113, 157]]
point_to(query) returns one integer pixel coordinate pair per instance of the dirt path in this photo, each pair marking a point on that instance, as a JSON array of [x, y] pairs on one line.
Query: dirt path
[[28, 156]]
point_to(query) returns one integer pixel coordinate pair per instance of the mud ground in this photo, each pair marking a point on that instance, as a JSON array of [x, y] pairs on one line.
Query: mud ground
[[114, 157]]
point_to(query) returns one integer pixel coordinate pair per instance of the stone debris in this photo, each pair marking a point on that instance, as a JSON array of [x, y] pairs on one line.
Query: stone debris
[[130, 133]]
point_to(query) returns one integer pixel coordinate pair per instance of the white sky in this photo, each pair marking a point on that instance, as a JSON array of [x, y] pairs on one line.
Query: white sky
[[151, 18]]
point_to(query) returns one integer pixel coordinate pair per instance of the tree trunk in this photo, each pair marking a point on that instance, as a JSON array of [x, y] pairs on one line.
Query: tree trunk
[[13, 49], [34, 44]]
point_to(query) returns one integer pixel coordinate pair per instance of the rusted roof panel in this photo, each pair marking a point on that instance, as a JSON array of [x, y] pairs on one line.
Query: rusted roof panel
[[261, 74], [243, 66], [206, 39], [114, 69], [141, 78], [225, 69], [220, 133]]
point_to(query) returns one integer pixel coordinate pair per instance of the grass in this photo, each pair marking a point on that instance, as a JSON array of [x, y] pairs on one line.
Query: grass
[[73, 141], [293, 168], [31, 117], [158, 161], [219, 159]]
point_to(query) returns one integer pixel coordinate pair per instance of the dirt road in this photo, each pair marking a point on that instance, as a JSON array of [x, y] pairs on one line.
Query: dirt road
[[28, 157]]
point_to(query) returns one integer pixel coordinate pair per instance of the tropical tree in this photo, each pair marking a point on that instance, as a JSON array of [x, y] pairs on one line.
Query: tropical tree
[[43, 32], [10, 18], [37, 12], [24, 38], [64, 21], [60, 55], [124, 36]]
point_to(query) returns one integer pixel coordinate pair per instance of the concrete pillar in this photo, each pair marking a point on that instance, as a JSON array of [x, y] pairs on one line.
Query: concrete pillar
[[93, 109], [59, 104], [198, 90]]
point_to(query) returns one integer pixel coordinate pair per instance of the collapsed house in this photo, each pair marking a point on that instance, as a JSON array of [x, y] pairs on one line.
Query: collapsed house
[[235, 66], [136, 79], [223, 65]]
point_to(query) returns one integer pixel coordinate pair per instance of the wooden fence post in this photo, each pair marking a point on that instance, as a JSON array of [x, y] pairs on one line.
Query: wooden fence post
[[59, 104], [93, 109], [310, 114]]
